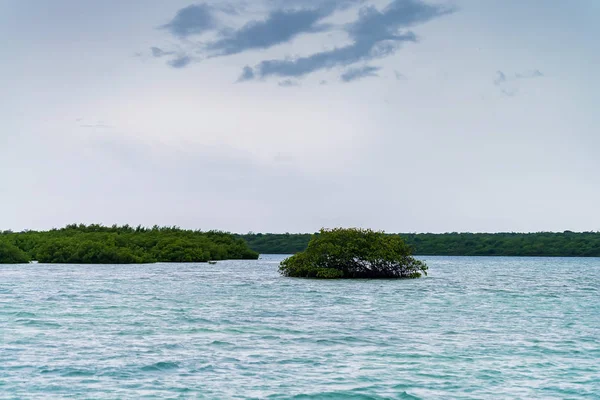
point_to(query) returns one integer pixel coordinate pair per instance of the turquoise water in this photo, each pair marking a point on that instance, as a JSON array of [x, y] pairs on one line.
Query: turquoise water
[[476, 328]]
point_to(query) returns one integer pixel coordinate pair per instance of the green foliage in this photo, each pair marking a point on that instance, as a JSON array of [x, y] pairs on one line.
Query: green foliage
[[541, 244], [277, 243], [11, 254], [354, 253], [329, 273], [97, 244]]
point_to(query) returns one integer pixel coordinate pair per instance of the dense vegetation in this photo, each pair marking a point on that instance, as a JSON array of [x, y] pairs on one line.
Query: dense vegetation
[[96, 244], [125, 244], [353, 253], [11, 254], [543, 244], [277, 243]]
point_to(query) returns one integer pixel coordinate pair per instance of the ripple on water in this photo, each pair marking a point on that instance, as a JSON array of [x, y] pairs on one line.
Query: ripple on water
[[477, 328], [160, 366], [36, 323]]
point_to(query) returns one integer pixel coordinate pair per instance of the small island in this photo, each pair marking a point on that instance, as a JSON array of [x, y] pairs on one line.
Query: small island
[[354, 254]]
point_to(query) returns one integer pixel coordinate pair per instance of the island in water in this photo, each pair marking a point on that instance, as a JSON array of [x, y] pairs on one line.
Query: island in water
[[354, 254], [97, 244]]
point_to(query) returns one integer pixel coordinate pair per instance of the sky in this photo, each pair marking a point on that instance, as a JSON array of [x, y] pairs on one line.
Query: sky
[[293, 115]]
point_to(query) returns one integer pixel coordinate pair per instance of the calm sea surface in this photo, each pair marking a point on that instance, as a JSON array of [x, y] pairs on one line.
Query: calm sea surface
[[476, 328]]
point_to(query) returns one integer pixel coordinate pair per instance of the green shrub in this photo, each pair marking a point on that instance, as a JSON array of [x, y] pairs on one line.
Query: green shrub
[[329, 273], [354, 253]]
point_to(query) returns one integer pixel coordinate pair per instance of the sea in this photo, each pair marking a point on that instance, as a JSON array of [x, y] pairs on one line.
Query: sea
[[474, 328]]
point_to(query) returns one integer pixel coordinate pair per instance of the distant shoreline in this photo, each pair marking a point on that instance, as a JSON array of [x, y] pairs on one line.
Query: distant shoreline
[[542, 244], [96, 244]]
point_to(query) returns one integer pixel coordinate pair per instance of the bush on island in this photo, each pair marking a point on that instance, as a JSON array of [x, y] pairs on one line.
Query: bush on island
[[354, 253]]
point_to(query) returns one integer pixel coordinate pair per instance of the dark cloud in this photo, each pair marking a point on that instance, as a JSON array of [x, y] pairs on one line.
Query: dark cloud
[[375, 25], [375, 34], [180, 62], [354, 74], [279, 27], [247, 74], [192, 20], [158, 52], [343, 56]]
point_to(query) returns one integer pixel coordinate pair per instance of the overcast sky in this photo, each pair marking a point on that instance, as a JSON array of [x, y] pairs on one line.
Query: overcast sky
[[292, 115]]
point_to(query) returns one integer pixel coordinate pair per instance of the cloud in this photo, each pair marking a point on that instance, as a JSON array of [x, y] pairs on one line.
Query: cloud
[[322, 4], [343, 56], [92, 124], [288, 83], [229, 8], [279, 27], [158, 52], [399, 76], [375, 25], [500, 78], [192, 20], [529, 75], [247, 74], [180, 62], [375, 34], [96, 126], [508, 84], [354, 74]]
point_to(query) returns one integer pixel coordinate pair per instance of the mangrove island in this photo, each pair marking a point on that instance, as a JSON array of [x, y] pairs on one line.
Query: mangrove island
[[354, 254], [97, 244]]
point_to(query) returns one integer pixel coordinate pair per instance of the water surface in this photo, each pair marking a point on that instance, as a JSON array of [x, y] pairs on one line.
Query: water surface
[[476, 328]]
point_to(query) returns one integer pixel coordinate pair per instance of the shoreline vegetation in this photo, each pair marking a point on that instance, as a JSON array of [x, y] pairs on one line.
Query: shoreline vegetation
[[540, 244], [97, 244]]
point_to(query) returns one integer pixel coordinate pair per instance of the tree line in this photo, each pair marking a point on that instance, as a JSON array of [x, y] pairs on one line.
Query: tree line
[[97, 244], [542, 244]]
